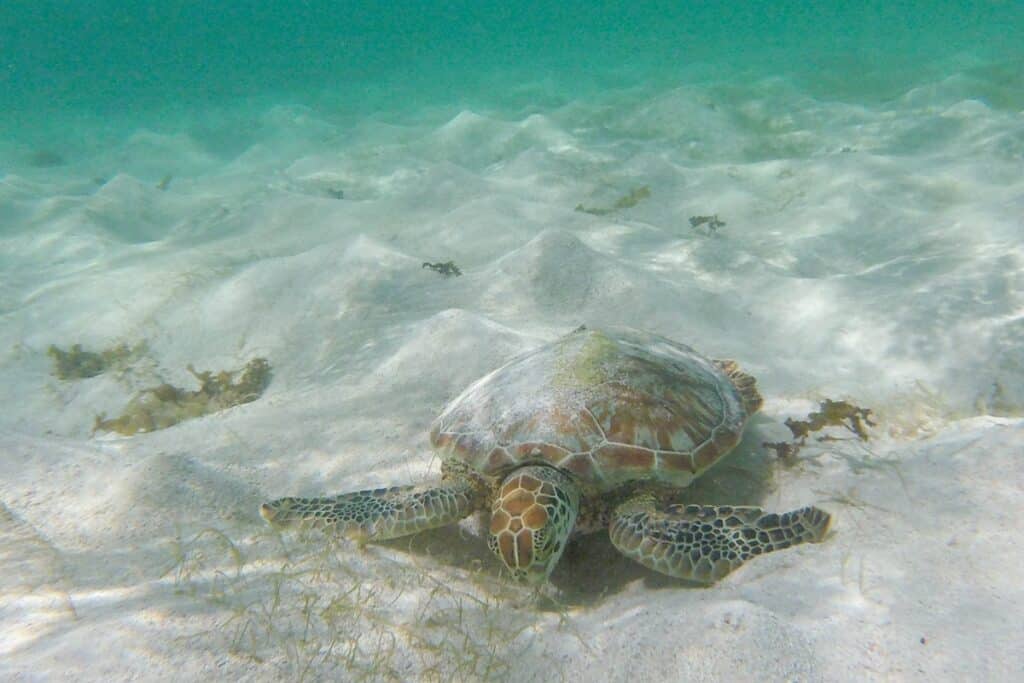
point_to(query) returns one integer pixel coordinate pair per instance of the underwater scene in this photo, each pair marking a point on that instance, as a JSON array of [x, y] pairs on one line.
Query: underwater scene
[[511, 341]]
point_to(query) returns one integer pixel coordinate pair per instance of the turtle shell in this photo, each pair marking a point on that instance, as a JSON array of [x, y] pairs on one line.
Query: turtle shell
[[609, 406]]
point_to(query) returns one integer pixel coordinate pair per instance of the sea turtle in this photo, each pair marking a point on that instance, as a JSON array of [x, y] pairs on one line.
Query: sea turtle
[[597, 429]]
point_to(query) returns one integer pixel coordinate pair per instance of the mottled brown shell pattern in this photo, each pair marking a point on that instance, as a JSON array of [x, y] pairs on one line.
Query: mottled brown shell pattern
[[609, 406]]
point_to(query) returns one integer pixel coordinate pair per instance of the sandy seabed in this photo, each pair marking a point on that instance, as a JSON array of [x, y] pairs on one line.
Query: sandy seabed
[[872, 254]]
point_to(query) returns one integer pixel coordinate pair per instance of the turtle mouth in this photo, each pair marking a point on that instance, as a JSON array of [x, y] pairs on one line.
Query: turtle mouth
[[531, 577], [279, 513], [268, 512]]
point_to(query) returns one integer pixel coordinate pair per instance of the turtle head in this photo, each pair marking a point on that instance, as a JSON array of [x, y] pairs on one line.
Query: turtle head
[[533, 514], [284, 513]]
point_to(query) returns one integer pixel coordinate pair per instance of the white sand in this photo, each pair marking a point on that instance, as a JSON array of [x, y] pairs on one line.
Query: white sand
[[880, 262]]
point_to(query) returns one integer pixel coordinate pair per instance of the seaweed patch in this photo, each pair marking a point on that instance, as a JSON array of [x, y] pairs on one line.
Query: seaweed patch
[[167, 405], [830, 414], [447, 269], [77, 363], [834, 414], [627, 201], [710, 224]]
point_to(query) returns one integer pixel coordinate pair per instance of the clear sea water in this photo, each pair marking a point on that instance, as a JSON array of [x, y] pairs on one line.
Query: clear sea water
[[135, 61]]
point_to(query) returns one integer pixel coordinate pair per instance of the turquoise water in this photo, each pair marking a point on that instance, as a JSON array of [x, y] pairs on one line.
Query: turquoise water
[[113, 56]]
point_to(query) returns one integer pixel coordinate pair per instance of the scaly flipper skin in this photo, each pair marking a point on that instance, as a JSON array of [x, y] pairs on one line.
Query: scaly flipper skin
[[703, 543], [380, 514]]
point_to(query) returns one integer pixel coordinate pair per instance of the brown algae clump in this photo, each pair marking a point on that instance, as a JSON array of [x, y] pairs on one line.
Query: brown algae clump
[[77, 363], [627, 201], [833, 414], [447, 269], [830, 414], [711, 224], [167, 405]]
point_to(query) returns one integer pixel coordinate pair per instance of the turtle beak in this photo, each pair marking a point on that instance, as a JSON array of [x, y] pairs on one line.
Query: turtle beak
[[268, 512], [538, 576], [278, 513], [525, 555]]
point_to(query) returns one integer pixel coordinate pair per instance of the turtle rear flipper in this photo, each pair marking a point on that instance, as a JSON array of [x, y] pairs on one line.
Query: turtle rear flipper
[[705, 542], [745, 384], [379, 514]]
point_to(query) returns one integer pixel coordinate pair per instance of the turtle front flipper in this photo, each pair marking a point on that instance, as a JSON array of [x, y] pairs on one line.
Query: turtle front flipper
[[379, 514], [705, 542]]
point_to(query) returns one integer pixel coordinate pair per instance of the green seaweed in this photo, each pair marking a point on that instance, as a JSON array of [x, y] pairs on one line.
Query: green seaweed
[[77, 363], [711, 223], [167, 405], [447, 269], [627, 201], [313, 611]]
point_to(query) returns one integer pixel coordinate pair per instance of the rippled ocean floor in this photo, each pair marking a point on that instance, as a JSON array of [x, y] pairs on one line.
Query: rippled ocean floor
[[840, 244]]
